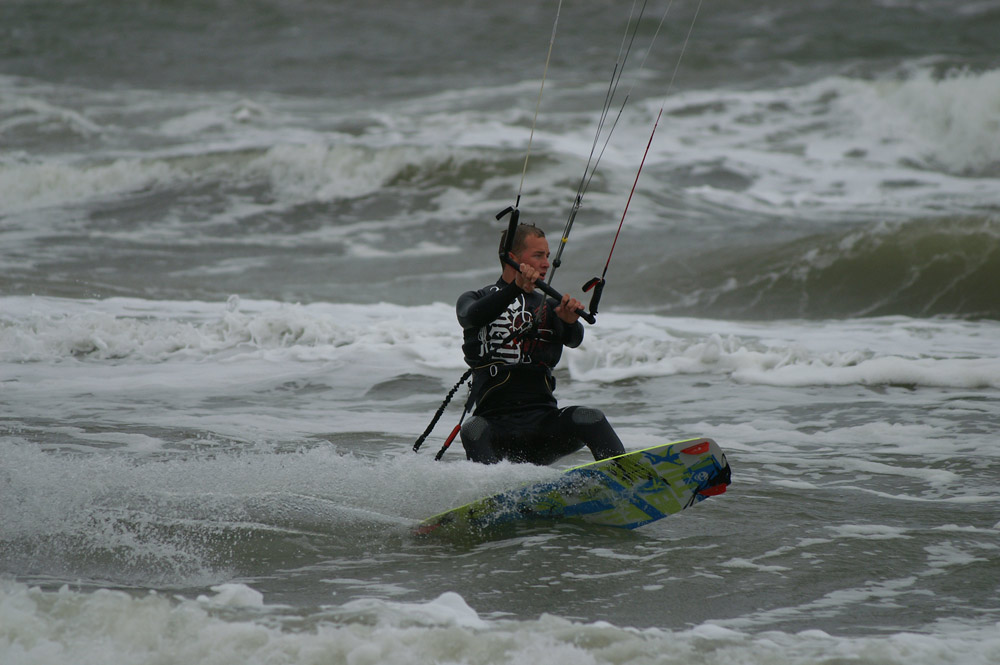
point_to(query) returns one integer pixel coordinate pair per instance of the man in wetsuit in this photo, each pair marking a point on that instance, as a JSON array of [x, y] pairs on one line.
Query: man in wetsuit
[[514, 337]]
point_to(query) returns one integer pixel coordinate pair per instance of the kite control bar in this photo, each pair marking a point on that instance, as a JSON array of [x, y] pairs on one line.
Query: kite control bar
[[545, 288]]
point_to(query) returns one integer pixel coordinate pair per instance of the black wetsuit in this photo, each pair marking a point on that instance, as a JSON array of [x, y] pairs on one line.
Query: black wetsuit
[[516, 416]]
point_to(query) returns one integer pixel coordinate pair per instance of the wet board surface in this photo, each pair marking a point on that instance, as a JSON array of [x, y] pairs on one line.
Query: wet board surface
[[627, 491]]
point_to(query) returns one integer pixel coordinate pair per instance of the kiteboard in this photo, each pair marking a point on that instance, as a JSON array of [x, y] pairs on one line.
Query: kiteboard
[[626, 491]]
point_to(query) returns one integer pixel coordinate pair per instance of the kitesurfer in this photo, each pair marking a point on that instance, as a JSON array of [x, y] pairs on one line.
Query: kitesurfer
[[513, 338]]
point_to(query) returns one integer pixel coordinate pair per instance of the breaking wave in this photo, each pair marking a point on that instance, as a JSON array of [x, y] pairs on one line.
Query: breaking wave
[[943, 266], [236, 624], [254, 335]]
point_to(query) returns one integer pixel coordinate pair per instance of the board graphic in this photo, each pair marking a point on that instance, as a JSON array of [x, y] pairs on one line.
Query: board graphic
[[626, 491]]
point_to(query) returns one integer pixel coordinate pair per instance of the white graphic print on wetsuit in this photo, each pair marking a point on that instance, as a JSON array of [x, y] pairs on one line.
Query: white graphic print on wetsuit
[[516, 317]]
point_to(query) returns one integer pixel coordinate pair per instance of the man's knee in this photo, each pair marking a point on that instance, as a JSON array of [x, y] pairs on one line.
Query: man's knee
[[477, 439], [586, 415], [595, 430]]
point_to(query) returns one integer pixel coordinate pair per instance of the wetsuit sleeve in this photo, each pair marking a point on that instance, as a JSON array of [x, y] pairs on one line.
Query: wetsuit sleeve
[[572, 334], [475, 309]]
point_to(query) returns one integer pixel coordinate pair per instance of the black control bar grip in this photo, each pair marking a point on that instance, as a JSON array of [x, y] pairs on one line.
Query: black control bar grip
[[549, 291]]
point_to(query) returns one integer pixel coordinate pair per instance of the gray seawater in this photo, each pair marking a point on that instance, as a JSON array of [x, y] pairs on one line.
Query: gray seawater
[[231, 237]]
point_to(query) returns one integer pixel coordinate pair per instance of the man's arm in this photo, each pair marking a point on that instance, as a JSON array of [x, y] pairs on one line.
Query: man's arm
[[572, 329], [572, 334], [477, 308]]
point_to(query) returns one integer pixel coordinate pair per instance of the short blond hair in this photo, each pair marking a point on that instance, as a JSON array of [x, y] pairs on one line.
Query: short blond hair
[[521, 235]]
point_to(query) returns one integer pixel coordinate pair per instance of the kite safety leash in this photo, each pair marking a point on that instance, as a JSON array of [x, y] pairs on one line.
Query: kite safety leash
[[437, 416]]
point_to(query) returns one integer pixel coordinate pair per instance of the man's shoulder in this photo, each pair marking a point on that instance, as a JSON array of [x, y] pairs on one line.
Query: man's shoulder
[[484, 291]]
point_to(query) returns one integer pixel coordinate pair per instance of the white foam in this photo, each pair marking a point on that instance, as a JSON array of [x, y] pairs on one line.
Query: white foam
[[747, 564], [233, 595], [448, 609], [46, 329], [38, 184], [214, 116], [115, 628], [266, 140], [29, 110], [848, 370], [325, 172], [832, 147], [946, 554], [795, 484], [949, 121], [886, 351], [840, 145], [868, 531], [420, 249], [143, 509], [880, 351]]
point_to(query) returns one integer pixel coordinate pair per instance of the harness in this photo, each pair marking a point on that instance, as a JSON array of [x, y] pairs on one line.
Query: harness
[[490, 368]]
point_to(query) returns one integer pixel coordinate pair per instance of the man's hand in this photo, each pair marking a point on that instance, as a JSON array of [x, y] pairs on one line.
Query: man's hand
[[567, 309], [525, 279]]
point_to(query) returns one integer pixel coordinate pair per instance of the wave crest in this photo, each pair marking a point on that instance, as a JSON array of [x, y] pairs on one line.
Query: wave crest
[[923, 268]]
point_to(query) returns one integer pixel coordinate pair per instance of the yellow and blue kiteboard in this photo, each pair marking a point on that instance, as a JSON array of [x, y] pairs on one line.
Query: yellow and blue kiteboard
[[625, 491]]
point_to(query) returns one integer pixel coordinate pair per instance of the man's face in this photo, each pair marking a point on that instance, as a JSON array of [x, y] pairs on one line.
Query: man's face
[[535, 254]]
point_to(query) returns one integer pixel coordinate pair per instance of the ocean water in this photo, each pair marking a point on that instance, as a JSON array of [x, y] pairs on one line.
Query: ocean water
[[231, 238]]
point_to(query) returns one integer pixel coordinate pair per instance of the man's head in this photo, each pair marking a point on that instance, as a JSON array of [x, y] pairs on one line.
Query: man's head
[[521, 235], [530, 246]]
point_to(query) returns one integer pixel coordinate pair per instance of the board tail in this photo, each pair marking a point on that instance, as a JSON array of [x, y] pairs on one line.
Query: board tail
[[718, 484]]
